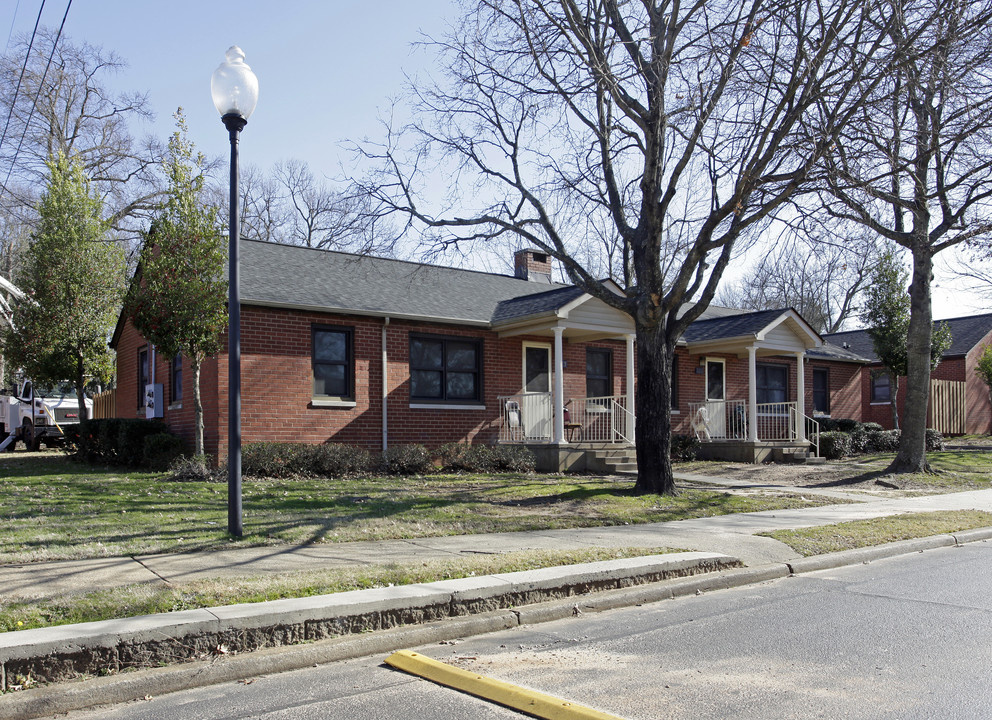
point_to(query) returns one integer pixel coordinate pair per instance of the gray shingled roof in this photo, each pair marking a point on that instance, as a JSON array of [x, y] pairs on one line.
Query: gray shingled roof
[[831, 351], [730, 326], [536, 304], [290, 275], [966, 333]]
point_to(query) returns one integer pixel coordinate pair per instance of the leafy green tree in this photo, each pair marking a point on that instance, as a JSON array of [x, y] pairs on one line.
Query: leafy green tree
[[74, 275], [886, 314], [178, 299], [984, 366]]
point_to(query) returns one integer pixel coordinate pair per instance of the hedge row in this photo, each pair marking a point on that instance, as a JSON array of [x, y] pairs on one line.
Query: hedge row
[[869, 438], [124, 441], [270, 459]]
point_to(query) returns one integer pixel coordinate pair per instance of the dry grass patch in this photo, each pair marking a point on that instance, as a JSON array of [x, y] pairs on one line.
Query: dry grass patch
[[878, 531]]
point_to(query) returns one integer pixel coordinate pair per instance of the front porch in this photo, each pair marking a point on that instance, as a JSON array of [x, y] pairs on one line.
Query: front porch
[[598, 434]]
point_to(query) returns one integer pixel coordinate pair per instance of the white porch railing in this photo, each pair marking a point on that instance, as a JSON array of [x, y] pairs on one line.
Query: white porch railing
[[528, 418], [728, 420], [599, 419]]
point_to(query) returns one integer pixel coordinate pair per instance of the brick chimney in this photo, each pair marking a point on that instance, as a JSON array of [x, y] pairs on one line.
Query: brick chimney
[[532, 264]]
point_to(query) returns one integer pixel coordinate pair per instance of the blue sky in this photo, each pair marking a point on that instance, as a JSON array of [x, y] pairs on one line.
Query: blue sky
[[326, 70]]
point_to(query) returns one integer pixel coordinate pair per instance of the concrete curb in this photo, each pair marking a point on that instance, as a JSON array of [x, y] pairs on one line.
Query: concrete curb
[[95, 691], [65, 652]]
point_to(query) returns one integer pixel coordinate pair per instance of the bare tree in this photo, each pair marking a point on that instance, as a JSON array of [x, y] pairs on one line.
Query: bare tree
[[915, 166], [77, 115], [820, 278], [684, 127]]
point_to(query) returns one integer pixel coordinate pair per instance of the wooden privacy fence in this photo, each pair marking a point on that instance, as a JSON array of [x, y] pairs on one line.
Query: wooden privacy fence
[[947, 411], [105, 404]]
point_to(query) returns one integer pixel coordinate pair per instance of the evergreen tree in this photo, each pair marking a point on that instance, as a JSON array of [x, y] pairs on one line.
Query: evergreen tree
[[886, 316], [178, 301], [73, 273]]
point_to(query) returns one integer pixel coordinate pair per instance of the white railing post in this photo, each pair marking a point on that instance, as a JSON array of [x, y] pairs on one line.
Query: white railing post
[[558, 399], [630, 389], [752, 394], [800, 397]]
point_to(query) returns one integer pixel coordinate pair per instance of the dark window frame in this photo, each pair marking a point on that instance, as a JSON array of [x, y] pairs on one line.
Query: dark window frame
[[479, 346], [349, 362], [875, 387], [824, 391], [176, 372], [607, 379], [143, 373], [759, 388]]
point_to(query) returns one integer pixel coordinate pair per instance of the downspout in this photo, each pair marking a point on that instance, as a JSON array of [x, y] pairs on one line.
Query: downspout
[[385, 388]]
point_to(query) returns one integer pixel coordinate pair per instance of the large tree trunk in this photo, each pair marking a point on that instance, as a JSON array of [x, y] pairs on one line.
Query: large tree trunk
[[654, 412], [894, 400], [912, 455], [194, 366], [81, 388]]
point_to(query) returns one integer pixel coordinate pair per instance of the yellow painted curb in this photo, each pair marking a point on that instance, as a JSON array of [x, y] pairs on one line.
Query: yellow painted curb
[[512, 696]]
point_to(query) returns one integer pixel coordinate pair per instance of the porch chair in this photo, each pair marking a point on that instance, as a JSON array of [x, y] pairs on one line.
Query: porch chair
[[571, 427], [701, 424]]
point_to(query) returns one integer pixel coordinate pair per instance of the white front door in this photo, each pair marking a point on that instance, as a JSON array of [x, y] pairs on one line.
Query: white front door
[[535, 406], [716, 396]]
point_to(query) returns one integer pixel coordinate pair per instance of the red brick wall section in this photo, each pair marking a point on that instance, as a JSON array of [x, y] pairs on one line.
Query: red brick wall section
[[844, 386], [277, 384], [959, 369]]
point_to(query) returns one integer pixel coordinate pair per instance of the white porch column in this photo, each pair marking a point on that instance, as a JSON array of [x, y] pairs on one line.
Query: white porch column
[[630, 388], [558, 395], [800, 397], [752, 395]]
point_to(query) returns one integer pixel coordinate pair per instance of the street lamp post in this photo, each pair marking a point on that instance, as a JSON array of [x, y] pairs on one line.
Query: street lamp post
[[234, 88]]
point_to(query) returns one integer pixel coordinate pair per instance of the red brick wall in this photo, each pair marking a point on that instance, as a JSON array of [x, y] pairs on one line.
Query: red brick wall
[[277, 383], [844, 386], [959, 369]]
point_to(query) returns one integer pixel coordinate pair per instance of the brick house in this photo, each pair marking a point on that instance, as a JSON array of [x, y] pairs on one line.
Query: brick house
[[378, 352], [959, 398]]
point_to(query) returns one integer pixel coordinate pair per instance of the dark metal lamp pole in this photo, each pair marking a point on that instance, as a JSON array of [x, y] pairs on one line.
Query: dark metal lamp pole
[[235, 92]]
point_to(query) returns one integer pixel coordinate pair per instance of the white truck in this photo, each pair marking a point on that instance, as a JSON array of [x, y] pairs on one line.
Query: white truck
[[36, 414]]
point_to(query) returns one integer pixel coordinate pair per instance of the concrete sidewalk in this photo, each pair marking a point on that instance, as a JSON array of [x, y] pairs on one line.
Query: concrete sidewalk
[[725, 534]]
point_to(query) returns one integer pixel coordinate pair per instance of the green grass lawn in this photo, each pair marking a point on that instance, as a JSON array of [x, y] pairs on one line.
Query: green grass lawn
[[54, 509]]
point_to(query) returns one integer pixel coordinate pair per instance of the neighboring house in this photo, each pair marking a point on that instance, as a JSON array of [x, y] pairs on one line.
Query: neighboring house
[[377, 353], [959, 398]]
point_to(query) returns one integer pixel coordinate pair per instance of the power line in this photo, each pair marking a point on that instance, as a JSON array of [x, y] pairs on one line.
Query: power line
[[24, 67], [37, 94], [13, 21]]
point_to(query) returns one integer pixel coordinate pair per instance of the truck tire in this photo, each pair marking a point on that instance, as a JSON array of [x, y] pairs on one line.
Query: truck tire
[[31, 443], [3, 436]]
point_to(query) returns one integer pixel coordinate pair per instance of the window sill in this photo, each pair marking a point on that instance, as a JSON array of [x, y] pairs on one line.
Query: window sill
[[321, 402], [175, 406], [675, 412], [445, 406], [886, 402]]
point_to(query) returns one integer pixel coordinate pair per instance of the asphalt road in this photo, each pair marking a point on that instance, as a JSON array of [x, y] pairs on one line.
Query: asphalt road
[[908, 637]]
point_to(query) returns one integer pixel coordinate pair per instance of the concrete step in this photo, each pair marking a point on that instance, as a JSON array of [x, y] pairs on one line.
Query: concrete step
[[624, 467]]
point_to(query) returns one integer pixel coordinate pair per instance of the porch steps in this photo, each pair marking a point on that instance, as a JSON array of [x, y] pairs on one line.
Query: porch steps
[[614, 461]]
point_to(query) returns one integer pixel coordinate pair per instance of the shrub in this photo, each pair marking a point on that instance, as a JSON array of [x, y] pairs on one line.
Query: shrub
[[116, 440], [871, 427], [333, 460], [848, 425], [881, 441], [161, 450], [276, 460], [684, 448], [858, 442], [935, 441], [407, 460], [835, 445], [195, 469], [827, 424], [513, 458]]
